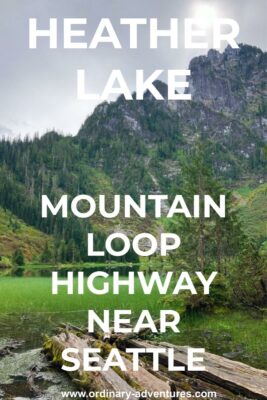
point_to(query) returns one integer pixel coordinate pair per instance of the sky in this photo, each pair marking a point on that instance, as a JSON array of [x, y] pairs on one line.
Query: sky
[[38, 88]]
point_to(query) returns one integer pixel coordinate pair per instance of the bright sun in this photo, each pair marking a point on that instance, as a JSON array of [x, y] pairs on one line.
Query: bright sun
[[205, 13]]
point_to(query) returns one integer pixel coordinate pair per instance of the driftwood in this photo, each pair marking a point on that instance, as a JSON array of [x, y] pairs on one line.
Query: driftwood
[[229, 379], [94, 381], [112, 380], [232, 375]]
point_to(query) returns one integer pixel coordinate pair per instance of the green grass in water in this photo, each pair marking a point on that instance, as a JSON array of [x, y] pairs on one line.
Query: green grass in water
[[233, 331], [230, 332], [27, 295]]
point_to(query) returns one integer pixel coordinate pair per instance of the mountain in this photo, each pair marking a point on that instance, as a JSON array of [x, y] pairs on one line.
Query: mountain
[[138, 147], [228, 111]]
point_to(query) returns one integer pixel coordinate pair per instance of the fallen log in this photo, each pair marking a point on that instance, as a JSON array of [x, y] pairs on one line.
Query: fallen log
[[222, 375], [111, 380], [93, 381], [235, 376]]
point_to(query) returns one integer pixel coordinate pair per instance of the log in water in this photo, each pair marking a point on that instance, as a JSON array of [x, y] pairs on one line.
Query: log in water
[[235, 376], [221, 375]]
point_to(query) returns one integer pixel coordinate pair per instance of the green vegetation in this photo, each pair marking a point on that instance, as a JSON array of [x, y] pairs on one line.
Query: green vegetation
[[253, 211], [206, 241], [234, 246], [220, 332], [79, 266], [244, 191], [15, 234], [226, 333], [33, 295], [210, 146], [18, 258], [249, 278]]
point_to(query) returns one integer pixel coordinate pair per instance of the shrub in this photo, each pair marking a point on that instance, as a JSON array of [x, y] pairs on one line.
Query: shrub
[[5, 263]]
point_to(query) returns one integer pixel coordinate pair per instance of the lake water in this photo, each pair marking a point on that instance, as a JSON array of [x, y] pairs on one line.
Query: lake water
[[29, 312]]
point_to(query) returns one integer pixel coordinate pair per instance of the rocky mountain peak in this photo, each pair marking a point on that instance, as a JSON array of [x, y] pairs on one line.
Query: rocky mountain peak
[[228, 110], [233, 82]]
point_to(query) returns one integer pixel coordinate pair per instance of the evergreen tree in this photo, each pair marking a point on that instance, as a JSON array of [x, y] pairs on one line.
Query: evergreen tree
[[249, 277], [18, 258], [46, 255], [205, 241]]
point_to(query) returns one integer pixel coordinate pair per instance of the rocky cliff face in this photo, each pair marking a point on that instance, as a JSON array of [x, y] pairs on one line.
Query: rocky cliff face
[[228, 110], [235, 83]]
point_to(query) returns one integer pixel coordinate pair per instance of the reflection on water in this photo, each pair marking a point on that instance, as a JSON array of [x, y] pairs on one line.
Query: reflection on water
[[31, 328]]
